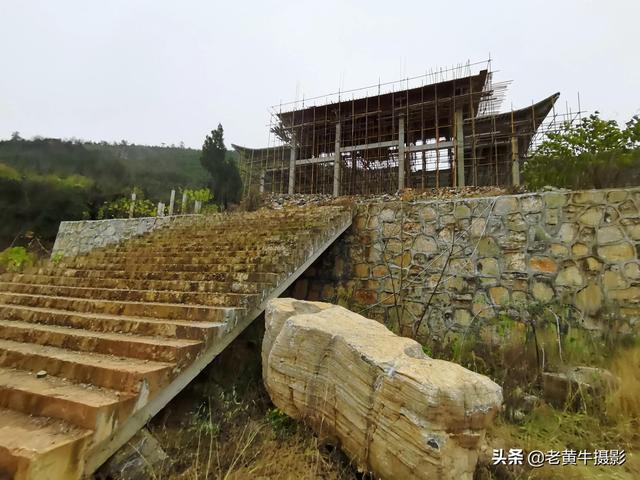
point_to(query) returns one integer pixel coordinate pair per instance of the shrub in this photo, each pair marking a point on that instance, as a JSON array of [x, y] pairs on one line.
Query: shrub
[[56, 258], [280, 423], [594, 153], [121, 207], [253, 201], [14, 259], [203, 195]]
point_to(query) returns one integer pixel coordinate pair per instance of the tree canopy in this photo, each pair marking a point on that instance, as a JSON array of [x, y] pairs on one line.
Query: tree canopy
[[226, 183], [594, 153]]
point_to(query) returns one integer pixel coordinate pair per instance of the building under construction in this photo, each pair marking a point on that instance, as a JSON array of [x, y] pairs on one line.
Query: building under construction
[[446, 131]]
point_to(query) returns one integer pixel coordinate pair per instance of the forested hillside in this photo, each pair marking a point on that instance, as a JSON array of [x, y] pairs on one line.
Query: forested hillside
[[44, 181]]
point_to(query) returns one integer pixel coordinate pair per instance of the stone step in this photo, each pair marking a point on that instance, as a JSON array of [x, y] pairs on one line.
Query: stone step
[[161, 349], [207, 238], [155, 285], [120, 329], [86, 406], [206, 332], [267, 277], [203, 239], [213, 264], [227, 235], [188, 268], [134, 261], [169, 311], [184, 254], [108, 371], [247, 245], [35, 448], [171, 246], [262, 225], [221, 299]]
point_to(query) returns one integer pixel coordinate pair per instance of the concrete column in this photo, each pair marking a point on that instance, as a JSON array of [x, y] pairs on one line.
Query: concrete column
[[183, 207], [515, 165], [133, 204], [459, 147], [292, 166], [160, 209], [172, 202], [336, 164], [197, 206], [401, 159], [262, 175]]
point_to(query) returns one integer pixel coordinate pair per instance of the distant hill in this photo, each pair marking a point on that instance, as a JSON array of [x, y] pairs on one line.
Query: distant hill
[[44, 181], [115, 167]]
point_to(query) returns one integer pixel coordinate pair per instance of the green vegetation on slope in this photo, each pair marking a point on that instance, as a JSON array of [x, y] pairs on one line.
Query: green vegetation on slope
[[45, 181]]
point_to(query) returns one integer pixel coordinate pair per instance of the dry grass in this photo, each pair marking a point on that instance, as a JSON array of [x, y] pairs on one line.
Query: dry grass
[[235, 435], [612, 422], [624, 402], [223, 426]]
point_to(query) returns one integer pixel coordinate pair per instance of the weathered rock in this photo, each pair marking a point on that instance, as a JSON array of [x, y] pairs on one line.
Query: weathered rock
[[138, 459], [567, 232], [589, 299], [617, 253], [542, 264], [580, 249], [617, 196], [570, 276], [499, 295], [505, 205], [488, 266], [394, 411], [487, 247], [569, 388], [424, 244], [461, 211], [609, 234], [555, 200], [591, 217], [531, 204]]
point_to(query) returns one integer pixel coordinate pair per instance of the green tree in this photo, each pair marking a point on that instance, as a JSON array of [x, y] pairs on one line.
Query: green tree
[[593, 153], [633, 132], [225, 176]]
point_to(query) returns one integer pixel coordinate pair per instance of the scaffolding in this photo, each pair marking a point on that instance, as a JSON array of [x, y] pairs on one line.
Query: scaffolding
[[440, 129]]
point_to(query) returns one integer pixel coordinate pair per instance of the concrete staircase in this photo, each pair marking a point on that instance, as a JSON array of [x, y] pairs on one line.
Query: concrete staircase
[[121, 330]]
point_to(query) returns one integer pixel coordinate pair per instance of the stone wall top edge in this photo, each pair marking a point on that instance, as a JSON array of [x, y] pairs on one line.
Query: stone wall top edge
[[127, 220], [425, 201]]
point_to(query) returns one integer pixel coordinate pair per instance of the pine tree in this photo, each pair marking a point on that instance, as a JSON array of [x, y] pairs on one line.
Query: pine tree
[[225, 176]]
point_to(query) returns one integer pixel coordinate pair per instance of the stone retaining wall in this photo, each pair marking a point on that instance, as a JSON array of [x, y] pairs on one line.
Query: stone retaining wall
[[82, 236], [438, 265]]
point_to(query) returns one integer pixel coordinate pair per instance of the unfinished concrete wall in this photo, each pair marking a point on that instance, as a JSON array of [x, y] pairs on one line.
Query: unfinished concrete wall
[[430, 267], [83, 236]]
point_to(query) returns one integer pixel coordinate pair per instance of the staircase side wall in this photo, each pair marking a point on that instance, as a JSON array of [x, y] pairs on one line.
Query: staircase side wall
[[78, 237], [439, 266]]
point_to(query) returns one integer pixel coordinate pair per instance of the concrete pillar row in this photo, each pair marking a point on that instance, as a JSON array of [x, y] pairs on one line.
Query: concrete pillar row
[[401, 154], [292, 166], [336, 163], [459, 146], [262, 175]]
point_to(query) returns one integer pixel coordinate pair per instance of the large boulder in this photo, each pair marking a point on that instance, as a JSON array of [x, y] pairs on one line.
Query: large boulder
[[393, 410]]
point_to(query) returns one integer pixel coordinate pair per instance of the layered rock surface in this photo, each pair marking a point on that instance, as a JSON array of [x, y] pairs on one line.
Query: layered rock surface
[[395, 411]]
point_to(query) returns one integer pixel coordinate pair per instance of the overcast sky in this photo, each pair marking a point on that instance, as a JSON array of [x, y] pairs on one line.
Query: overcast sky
[[168, 71]]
